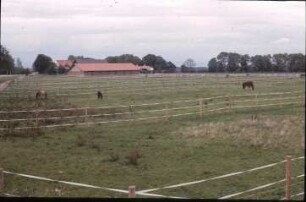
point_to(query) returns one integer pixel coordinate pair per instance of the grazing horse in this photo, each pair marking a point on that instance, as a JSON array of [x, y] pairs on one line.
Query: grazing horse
[[248, 84], [40, 94], [99, 95]]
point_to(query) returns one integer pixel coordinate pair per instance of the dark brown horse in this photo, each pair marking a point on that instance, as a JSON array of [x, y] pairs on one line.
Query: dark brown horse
[[41, 94], [248, 84], [99, 95]]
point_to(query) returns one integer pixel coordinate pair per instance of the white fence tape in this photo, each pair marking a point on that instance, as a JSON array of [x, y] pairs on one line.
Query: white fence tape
[[85, 185], [10, 195], [65, 182], [257, 188], [148, 104], [146, 118], [218, 177]]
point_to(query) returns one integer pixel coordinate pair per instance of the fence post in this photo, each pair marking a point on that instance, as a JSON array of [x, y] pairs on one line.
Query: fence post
[[1, 180], [132, 191], [201, 106], [167, 110], [288, 177], [36, 117]]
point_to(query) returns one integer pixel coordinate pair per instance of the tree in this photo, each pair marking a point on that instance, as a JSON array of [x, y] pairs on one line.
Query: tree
[[43, 64], [189, 63], [297, 62], [157, 62], [18, 63], [125, 58], [170, 67], [6, 61], [212, 65], [18, 69], [244, 63], [233, 62]]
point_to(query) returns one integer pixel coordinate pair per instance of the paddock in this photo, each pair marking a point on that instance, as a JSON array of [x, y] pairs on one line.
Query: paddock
[[184, 128]]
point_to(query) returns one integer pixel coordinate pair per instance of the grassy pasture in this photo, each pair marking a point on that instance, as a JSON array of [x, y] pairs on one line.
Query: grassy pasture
[[172, 151]]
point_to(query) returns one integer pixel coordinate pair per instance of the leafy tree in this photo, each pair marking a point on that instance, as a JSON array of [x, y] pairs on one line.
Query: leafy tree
[[18, 69], [233, 62], [280, 62], [213, 65], [61, 70], [170, 67], [297, 62], [190, 63], [244, 63], [18, 63], [6, 61], [125, 58], [157, 62], [43, 64]]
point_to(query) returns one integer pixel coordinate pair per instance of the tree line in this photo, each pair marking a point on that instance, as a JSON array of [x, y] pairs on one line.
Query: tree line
[[234, 62], [224, 62], [8, 65]]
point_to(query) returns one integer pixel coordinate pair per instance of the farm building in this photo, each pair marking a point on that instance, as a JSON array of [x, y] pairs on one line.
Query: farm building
[[101, 69], [67, 64]]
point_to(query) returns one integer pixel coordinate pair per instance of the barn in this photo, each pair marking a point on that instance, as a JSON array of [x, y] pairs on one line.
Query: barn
[[66, 64], [102, 69]]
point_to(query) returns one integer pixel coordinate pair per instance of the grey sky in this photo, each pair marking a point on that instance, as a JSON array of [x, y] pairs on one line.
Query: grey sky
[[174, 29]]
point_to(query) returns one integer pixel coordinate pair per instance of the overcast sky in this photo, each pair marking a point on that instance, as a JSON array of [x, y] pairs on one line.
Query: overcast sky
[[174, 29]]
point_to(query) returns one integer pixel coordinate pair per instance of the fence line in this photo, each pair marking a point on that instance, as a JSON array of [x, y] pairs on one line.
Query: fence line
[[158, 79], [145, 111], [83, 185], [258, 188], [146, 118], [219, 177], [115, 90], [144, 192], [149, 104], [134, 91]]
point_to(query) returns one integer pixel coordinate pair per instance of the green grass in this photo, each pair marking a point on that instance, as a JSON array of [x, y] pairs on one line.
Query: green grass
[[172, 150]]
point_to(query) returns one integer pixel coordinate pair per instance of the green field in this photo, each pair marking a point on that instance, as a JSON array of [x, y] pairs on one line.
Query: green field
[[190, 128]]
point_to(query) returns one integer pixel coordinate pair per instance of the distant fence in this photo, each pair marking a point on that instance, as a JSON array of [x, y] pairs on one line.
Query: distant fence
[[51, 118]]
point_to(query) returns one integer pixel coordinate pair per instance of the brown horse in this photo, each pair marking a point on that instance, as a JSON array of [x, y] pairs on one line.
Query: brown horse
[[248, 84], [41, 94], [99, 95]]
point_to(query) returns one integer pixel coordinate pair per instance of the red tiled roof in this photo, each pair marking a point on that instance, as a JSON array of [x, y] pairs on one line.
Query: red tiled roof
[[95, 67], [64, 63]]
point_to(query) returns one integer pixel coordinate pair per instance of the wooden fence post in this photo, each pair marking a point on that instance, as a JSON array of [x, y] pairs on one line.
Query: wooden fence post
[[1, 180], [131, 111], [167, 110], [288, 177], [132, 191]]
